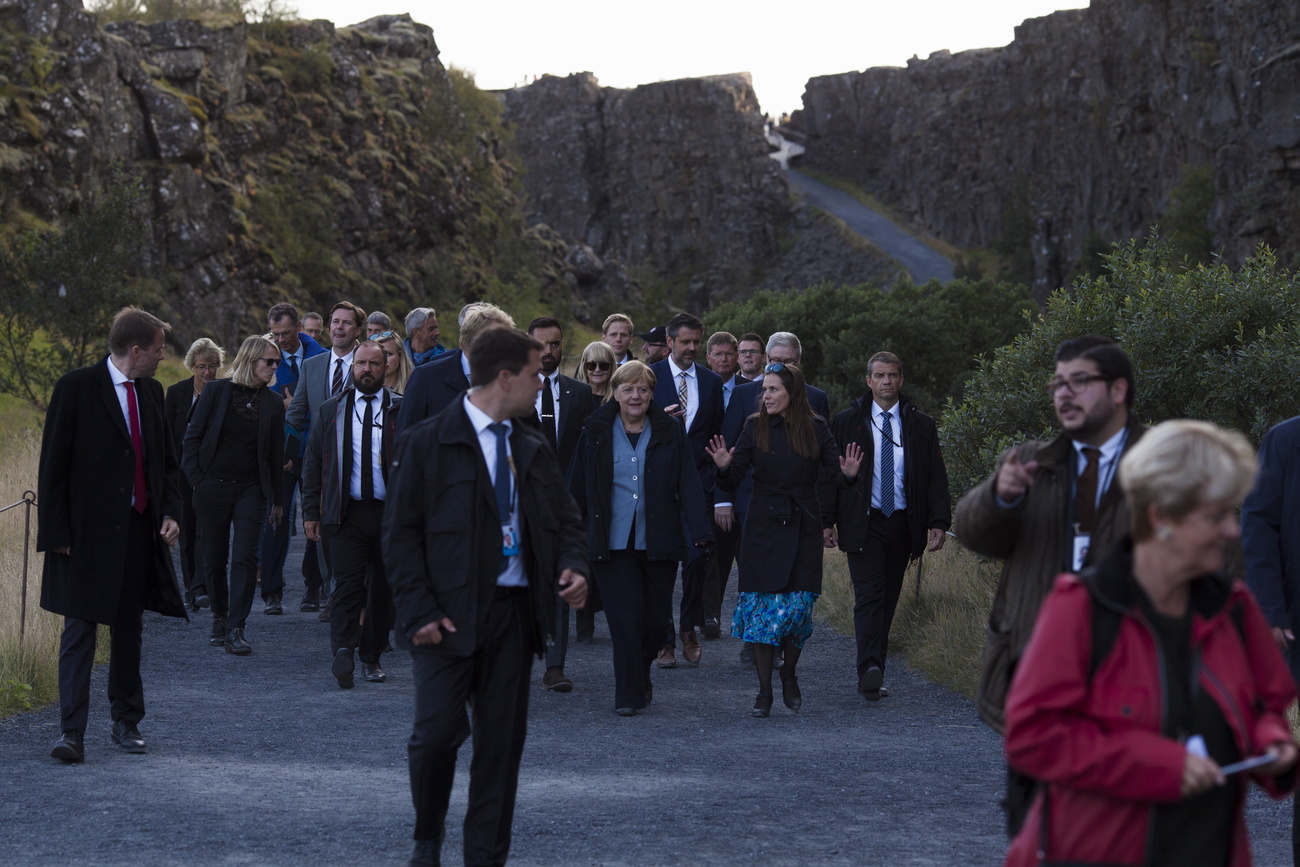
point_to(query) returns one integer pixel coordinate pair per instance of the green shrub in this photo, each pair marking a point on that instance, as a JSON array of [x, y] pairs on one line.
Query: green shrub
[[1188, 217], [936, 329], [1206, 343]]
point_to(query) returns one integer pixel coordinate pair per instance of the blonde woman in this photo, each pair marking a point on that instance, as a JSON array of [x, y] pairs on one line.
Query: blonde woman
[[399, 366], [596, 368], [233, 459]]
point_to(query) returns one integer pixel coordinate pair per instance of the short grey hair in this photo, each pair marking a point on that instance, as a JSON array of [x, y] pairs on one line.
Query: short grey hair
[[786, 339], [417, 317], [379, 318]]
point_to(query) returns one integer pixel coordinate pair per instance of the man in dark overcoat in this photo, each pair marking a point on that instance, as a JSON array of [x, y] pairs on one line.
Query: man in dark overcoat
[[107, 505], [480, 534]]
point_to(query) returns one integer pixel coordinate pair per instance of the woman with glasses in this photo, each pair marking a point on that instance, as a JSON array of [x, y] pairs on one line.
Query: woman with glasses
[[399, 366], [233, 457], [789, 450], [203, 360], [596, 368]]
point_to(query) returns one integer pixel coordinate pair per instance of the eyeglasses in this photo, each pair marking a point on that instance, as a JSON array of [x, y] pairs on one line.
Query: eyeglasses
[[751, 352], [381, 336], [206, 368], [1076, 384], [596, 365], [774, 367], [273, 362]]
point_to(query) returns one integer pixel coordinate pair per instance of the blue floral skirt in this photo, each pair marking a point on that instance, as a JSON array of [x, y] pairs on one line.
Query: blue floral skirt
[[768, 618]]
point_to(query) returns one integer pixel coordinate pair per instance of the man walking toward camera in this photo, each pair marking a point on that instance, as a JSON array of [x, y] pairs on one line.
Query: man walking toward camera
[[107, 501], [480, 535], [1050, 508]]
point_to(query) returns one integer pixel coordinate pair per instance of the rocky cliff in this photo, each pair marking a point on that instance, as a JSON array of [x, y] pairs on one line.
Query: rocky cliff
[[284, 160], [671, 181], [1088, 128]]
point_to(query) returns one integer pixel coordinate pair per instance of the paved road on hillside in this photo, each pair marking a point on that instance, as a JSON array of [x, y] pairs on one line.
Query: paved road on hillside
[[265, 761], [923, 263]]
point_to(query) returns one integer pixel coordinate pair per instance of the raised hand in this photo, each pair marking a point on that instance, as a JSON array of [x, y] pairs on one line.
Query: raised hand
[[717, 449], [851, 460], [1014, 478]]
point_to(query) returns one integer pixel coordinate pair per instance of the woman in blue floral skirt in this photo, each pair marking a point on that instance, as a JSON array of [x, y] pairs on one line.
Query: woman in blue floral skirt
[[789, 450]]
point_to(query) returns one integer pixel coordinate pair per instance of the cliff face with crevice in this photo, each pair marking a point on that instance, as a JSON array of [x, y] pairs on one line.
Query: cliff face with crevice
[[1082, 129], [290, 160], [670, 180]]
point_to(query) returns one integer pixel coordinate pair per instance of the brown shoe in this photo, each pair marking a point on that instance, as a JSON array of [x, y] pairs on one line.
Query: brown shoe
[[691, 650], [667, 658], [555, 680]]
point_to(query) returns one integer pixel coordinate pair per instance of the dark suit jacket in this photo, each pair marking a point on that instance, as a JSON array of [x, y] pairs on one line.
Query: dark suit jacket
[[744, 403], [178, 408], [708, 418], [87, 474], [576, 403], [204, 433], [442, 534], [327, 467], [313, 389], [432, 388]]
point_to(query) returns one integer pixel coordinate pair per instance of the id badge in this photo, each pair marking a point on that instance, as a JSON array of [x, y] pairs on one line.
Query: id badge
[[509, 541], [1081, 543]]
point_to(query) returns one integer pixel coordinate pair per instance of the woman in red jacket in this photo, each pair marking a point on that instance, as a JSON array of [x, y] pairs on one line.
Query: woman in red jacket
[[1151, 674]]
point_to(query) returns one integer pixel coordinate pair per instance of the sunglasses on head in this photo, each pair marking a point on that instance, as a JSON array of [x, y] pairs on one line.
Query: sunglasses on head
[[381, 336], [596, 365], [774, 367]]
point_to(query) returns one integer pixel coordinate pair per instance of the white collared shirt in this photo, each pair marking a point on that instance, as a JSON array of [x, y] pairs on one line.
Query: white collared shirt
[[464, 364], [514, 575], [555, 395], [119, 378], [692, 389], [727, 388], [374, 461], [878, 437], [298, 356], [335, 358], [1107, 464]]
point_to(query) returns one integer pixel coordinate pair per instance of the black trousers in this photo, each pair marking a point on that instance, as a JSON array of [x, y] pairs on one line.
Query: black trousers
[[274, 544], [191, 567], [638, 594], [360, 581], [77, 643], [695, 574], [493, 683], [221, 507], [724, 555], [877, 576]]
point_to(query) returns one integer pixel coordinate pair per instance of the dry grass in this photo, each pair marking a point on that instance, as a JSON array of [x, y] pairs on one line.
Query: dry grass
[[940, 631], [28, 652]]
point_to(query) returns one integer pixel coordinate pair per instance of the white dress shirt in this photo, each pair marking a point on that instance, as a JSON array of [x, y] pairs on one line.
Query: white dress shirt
[[878, 437], [119, 379], [464, 364], [692, 389], [1111, 450], [555, 395], [374, 461], [514, 575], [335, 358]]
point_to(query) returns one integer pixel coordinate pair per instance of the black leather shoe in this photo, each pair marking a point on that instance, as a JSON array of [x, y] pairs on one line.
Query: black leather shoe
[[373, 673], [202, 601], [236, 644], [69, 748], [343, 667], [273, 605], [556, 680], [218, 635], [425, 854], [625, 711], [790, 693], [712, 629], [762, 705], [310, 601], [586, 639], [128, 737], [870, 684]]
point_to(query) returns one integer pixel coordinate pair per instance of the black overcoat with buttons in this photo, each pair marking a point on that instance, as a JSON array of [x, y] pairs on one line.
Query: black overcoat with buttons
[[781, 542], [87, 474]]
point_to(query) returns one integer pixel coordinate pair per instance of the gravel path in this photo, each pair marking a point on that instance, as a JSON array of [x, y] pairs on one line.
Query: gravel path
[[264, 760], [923, 263]]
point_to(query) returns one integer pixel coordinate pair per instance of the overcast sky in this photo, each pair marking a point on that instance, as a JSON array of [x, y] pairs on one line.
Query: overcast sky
[[507, 42]]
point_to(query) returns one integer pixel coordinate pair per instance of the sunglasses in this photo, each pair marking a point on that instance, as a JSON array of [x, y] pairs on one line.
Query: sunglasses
[[381, 336], [271, 361], [774, 367], [597, 365]]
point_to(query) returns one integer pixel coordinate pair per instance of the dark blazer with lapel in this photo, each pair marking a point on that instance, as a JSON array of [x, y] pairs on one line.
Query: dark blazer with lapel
[[576, 403], [708, 418], [313, 390], [432, 388], [327, 467], [442, 535], [87, 474], [178, 408], [204, 433]]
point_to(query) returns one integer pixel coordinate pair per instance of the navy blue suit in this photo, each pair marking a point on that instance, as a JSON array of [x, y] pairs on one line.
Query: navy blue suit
[[432, 388], [704, 427], [1270, 534]]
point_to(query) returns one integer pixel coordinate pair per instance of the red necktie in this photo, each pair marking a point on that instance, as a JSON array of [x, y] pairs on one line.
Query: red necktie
[[141, 494]]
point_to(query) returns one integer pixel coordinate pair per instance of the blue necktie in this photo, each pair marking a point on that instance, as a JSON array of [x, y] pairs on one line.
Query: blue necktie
[[502, 482], [293, 365], [886, 465]]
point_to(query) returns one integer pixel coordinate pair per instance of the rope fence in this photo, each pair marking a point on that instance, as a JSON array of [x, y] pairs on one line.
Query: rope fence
[[29, 502]]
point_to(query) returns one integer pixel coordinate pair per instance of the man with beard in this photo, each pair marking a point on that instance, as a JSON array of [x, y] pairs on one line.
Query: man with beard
[[561, 407], [1050, 508], [344, 485], [693, 394], [655, 344]]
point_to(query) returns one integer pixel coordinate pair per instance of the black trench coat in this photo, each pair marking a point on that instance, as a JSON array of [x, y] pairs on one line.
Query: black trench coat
[[781, 543]]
